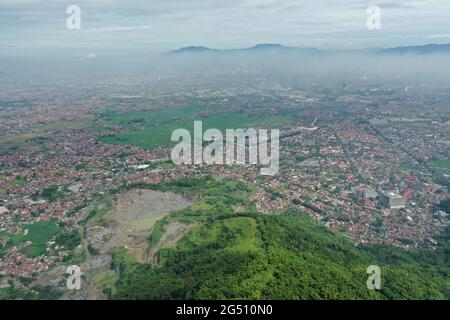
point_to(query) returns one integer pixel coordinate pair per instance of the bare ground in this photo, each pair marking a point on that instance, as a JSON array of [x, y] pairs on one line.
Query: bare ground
[[174, 231], [129, 225], [135, 213]]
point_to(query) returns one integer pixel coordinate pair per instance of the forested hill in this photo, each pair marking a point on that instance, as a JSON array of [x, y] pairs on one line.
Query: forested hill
[[248, 255]]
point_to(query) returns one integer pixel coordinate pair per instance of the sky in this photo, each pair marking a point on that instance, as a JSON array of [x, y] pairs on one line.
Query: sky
[[38, 27]]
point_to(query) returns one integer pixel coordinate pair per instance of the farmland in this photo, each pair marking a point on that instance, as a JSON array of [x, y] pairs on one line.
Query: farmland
[[150, 129], [38, 234], [441, 165]]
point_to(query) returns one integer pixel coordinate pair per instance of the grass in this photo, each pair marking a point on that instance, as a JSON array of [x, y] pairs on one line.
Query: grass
[[166, 165], [34, 250], [145, 223], [39, 234], [3, 192], [150, 129], [3, 234], [441, 165], [65, 125], [101, 207], [19, 181], [25, 140], [246, 233], [121, 256], [149, 118], [239, 234], [17, 142], [105, 278], [51, 194], [407, 166]]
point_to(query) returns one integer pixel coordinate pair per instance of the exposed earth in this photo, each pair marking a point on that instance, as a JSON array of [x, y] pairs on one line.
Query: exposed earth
[[128, 225], [134, 215]]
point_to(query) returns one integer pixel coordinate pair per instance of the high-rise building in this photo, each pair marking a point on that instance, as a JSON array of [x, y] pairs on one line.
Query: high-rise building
[[365, 192], [393, 200]]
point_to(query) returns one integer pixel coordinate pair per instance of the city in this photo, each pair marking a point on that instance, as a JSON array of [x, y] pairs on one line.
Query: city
[[378, 174], [249, 151]]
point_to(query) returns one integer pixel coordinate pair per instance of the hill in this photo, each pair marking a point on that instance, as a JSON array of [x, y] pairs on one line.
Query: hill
[[242, 254]]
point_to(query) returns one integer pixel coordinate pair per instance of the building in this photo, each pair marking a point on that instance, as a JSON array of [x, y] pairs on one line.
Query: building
[[365, 192], [393, 200]]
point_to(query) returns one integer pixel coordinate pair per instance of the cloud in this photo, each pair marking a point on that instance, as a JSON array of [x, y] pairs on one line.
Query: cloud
[[117, 29], [163, 25], [389, 5], [438, 36], [91, 56]]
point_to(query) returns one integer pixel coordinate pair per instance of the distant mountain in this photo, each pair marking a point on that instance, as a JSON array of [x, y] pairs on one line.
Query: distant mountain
[[280, 48], [266, 47], [425, 49], [269, 47], [192, 49], [262, 48]]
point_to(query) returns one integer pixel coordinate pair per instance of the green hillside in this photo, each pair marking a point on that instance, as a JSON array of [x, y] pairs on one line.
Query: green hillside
[[248, 255]]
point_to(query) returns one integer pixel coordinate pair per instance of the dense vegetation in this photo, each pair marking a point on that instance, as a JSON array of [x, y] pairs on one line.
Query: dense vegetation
[[445, 205], [37, 292], [241, 254]]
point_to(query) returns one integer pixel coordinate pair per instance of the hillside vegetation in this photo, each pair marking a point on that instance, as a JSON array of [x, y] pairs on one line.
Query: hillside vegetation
[[248, 255]]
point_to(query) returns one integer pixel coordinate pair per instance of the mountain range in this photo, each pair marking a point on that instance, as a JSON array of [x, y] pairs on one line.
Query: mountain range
[[278, 48]]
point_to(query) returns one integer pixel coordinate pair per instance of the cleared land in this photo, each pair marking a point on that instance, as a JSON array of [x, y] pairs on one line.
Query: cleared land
[[134, 215], [125, 227]]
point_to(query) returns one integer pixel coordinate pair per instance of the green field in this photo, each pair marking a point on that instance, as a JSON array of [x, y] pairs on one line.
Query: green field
[[19, 181], [150, 129], [166, 165], [147, 129], [27, 140], [39, 234], [441, 165], [148, 118], [407, 166]]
